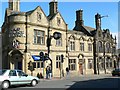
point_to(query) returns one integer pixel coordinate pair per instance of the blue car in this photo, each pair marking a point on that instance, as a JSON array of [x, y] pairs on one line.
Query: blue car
[[16, 77]]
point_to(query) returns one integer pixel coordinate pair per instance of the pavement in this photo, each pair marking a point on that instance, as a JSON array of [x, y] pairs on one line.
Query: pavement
[[89, 75]]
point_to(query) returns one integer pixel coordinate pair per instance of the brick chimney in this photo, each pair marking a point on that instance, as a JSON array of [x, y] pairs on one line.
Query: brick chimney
[[79, 18]]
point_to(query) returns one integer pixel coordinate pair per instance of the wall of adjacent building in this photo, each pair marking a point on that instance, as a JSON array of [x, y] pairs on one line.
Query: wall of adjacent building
[[0, 51]]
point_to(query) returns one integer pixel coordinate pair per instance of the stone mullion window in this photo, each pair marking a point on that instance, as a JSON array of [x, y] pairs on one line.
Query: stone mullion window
[[72, 64], [89, 47], [58, 61], [90, 64], [39, 37], [81, 46], [59, 42], [72, 46]]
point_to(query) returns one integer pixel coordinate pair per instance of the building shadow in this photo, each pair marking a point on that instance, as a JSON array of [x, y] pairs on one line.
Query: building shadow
[[96, 84]]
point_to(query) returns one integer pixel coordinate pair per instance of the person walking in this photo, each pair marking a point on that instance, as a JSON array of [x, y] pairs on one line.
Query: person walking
[[67, 72], [47, 72], [50, 72]]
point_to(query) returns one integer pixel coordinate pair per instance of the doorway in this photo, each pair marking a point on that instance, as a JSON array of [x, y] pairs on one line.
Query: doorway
[[81, 69], [19, 65]]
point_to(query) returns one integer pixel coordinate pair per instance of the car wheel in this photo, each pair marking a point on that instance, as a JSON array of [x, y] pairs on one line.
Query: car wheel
[[33, 83], [5, 85]]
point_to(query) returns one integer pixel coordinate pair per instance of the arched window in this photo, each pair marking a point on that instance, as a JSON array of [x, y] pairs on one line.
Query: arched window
[[81, 44], [100, 46], [108, 49], [71, 43]]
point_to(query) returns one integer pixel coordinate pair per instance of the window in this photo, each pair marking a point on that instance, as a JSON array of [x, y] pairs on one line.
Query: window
[[59, 42], [58, 21], [20, 73], [81, 46], [99, 46], [107, 48], [90, 64], [72, 45], [12, 73], [39, 16], [113, 50], [110, 63], [102, 64], [89, 47], [107, 63], [39, 37], [58, 61], [34, 64], [38, 64], [72, 64]]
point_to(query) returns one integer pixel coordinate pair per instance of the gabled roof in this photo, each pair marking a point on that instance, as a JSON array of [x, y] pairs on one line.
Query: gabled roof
[[50, 17], [89, 28], [75, 32]]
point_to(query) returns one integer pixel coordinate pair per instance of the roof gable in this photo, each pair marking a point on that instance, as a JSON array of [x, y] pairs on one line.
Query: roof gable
[[37, 16], [57, 21]]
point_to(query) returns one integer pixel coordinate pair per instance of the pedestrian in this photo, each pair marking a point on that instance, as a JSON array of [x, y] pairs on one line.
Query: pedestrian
[[62, 73], [67, 72], [47, 72], [50, 72]]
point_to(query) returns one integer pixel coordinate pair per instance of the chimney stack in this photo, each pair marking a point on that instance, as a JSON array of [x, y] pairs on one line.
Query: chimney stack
[[53, 7], [14, 5], [79, 18]]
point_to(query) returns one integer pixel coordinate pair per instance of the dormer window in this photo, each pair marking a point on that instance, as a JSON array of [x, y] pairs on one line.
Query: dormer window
[[39, 16], [58, 21]]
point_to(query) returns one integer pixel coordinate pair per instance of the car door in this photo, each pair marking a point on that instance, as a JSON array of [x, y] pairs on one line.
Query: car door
[[13, 78], [23, 78]]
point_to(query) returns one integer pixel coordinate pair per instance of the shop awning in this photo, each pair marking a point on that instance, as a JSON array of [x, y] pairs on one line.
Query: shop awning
[[36, 58]]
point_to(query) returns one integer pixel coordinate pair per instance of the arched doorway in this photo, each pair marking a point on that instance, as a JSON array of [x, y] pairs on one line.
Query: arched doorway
[[16, 59], [81, 63]]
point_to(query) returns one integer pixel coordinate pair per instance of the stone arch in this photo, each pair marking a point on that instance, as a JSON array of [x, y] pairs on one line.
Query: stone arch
[[82, 38]]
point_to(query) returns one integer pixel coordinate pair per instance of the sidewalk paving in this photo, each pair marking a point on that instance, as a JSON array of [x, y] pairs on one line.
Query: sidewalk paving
[[78, 76]]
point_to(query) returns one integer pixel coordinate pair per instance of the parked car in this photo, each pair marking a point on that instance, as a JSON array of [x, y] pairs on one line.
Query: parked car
[[116, 72], [16, 77]]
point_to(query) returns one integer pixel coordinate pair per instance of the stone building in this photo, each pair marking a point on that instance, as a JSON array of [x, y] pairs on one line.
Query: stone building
[[25, 34]]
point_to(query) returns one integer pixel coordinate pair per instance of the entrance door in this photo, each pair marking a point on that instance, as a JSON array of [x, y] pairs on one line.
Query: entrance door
[[80, 68], [20, 65]]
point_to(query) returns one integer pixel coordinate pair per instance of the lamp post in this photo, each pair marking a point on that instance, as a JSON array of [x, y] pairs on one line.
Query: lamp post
[[56, 36], [98, 27]]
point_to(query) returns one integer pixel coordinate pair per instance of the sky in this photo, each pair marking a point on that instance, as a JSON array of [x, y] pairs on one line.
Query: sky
[[68, 9]]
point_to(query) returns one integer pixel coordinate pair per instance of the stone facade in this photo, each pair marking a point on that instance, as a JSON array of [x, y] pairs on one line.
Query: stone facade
[[24, 35]]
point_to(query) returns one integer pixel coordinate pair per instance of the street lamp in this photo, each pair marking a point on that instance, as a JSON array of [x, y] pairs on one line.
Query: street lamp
[[98, 26], [56, 36]]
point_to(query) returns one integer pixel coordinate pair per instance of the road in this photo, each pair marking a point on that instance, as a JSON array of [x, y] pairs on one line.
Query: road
[[88, 81]]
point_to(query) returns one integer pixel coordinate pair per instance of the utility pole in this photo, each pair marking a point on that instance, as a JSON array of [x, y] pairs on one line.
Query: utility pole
[[56, 35]]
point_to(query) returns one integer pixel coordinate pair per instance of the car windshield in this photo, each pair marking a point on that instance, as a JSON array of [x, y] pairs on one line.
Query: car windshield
[[2, 72]]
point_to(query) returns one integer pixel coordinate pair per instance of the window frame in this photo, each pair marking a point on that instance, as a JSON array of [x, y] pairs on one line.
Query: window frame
[[39, 37]]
